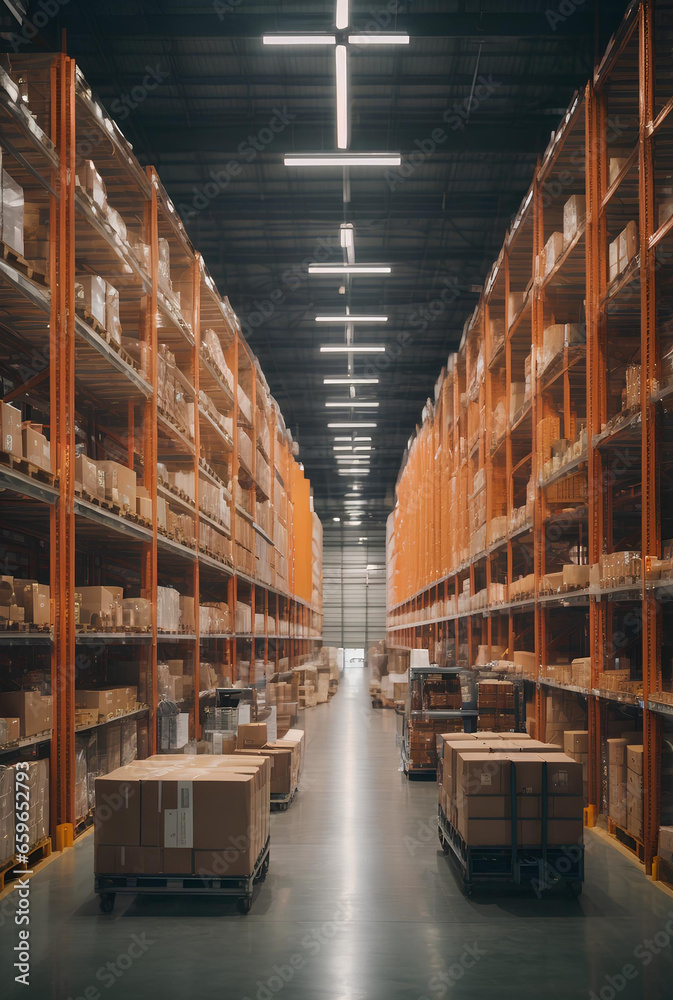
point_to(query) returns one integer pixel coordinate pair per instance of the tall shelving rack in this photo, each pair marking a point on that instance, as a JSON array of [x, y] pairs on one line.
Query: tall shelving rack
[[473, 572], [108, 396]]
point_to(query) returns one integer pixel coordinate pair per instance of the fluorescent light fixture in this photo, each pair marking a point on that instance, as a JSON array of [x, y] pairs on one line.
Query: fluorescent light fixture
[[347, 438], [305, 39], [354, 524], [346, 404], [349, 269], [361, 439], [346, 426], [379, 39], [336, 518], [350, 381], [342, 15], [362, 447], [348, 159], [347, 318], [342, 96], [354, 472], [343, 447], [351, 502], [354, 349], [346, 235]]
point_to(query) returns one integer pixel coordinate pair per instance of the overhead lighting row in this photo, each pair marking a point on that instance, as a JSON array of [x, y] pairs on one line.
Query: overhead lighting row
[[342, 43]]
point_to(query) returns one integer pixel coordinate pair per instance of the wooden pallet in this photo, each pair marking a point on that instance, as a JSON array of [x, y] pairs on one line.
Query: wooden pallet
[[12, 868], [627, 839], [83, 824], [18, 261], [27, 468]]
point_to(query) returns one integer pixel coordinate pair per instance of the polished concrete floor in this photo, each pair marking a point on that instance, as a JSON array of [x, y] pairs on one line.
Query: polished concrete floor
[[359, 904]]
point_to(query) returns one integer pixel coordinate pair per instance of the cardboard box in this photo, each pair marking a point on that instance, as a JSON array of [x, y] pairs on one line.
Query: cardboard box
[[103, 701], [120, 484], [92, 299], [634, 758], [552, 251], [251, 735], [92, 182], [35, 447], [576, 741], [86, 476], [12, 213], [115, 860], [617, 752], [144, 507], [33, 710], [575, 576], [12, 613], [117, 810], [574, 214], [36, 604], [98, 605], [11, 441], [11, 728], [634, 785], [112, 321]]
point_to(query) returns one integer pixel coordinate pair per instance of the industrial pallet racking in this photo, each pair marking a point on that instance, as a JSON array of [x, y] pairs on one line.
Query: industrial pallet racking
[[529, 450], [102, 396]]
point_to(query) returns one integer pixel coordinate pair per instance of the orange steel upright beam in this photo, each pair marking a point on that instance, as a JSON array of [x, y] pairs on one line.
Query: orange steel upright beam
[[232, 361], [151, 449], [196, 326], [62, 416], [537, 320], [651, 514], [596, 241]]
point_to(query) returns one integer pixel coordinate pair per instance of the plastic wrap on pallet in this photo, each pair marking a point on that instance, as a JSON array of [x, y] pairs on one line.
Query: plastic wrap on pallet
[[212, 348], [81, 785], [214, 617], [168, 609], [129, 741], [7, 826]]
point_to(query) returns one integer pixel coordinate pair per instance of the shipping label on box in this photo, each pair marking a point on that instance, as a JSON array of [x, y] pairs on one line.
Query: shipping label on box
[[179, 823]]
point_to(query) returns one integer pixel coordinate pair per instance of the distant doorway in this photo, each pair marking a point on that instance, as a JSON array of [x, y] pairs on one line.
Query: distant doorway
[[354, 659]]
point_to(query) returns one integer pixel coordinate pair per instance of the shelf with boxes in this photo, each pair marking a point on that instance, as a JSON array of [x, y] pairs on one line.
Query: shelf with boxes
[[572, 325], [145, 527]]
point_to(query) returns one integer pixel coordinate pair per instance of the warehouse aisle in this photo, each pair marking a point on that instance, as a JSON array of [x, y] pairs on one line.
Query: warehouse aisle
[[359, 904]]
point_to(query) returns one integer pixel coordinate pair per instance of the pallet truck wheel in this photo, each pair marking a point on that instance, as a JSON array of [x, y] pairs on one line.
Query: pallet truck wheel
[[265, 865], [442, 841], [107, 902], [574, 889], [245, 904], [468, 888]]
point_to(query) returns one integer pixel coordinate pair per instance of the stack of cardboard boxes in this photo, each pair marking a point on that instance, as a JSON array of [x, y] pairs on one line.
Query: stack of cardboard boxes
[[634, 790], [617, 808], [181, 814], [24, 602], [576, 745], [27, 713], [563, 714], [475, 781], [286, 755], [495, 705], [94, 705], [36, 802]]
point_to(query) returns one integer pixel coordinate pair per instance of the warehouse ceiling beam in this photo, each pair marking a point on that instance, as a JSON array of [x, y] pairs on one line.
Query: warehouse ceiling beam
[[204, 22], [221, 135]]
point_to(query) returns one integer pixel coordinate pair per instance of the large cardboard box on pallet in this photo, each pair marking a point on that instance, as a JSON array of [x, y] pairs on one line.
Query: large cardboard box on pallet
[[484, 798], [183, 814], [11, 442]]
